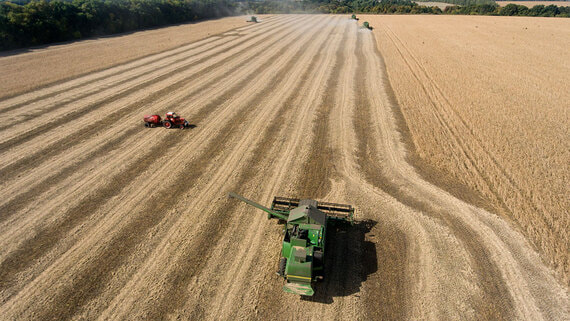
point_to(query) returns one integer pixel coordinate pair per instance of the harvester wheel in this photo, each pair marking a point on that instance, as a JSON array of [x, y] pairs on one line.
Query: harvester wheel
[[319, 262], [167, 124], [282, 266], [146, 124]]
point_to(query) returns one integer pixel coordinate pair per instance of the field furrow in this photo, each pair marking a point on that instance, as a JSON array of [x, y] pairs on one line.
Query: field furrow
[[166, 79], [75, 146], [103, 218]]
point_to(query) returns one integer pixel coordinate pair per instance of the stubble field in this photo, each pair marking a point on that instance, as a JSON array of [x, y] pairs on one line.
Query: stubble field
[[531, 4], [104, 219]]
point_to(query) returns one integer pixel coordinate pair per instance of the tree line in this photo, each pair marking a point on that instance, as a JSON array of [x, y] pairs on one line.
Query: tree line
[[465, 7], [462, 2], [510, 10], [42, 22], [37, 22]]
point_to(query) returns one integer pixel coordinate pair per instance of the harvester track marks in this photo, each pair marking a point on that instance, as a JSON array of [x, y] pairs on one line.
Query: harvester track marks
[[295, 143], [496, 301], [69, 117], [484, 165], [393, 292], [176, 295], [12, 171], [214, 105], [66, 143], [47, 238], [318, 184], [109, 71], [88, 286]]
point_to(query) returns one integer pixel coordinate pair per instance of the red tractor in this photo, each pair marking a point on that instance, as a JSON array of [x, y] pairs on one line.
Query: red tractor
[[170, 120]]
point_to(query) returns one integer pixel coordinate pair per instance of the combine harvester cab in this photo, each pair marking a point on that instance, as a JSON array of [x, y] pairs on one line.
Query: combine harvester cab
[[303, 250]]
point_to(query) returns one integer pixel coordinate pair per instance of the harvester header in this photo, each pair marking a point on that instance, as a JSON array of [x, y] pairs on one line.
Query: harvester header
[[302, 254]]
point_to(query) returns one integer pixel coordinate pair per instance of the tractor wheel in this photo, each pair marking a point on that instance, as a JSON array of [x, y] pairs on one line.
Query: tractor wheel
[[282, 266], [167, 124]]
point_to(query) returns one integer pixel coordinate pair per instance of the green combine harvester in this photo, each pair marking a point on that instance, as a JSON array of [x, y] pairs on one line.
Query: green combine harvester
[[303, 253]]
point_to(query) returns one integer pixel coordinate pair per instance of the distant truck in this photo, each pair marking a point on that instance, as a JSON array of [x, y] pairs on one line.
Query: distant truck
[[171, 120]]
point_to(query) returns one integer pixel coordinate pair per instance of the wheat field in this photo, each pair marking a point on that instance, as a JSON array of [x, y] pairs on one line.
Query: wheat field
[[487, 104]]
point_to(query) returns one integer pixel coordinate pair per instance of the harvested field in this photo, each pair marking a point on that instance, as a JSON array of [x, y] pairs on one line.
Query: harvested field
[[531, 4], [41, 66], [103, 218], [441, 5]]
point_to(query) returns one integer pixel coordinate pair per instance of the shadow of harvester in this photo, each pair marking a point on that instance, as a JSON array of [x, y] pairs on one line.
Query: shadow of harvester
[[349, 259]]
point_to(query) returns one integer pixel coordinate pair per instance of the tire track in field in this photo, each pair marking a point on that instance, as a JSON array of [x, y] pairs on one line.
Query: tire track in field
[[11, 171], [48, 237], [318, 167], [186, 97], [496, 301], [271, 301], [70, 116], [58, 147], [465, 152], [141, 70], [350, 257], [92, 280], [384, 261], [220, 100], [534, 292], [384, 248], [310, 98], [475, 153], [186, 267], [116, 70]]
